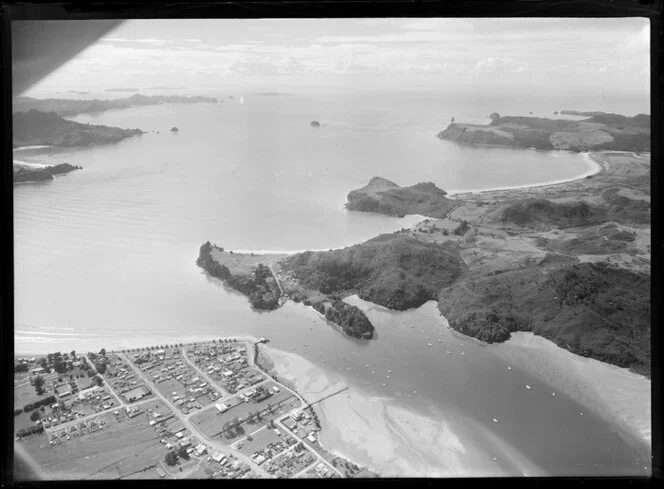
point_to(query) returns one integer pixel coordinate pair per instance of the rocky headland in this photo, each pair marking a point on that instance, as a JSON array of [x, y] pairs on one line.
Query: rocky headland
[[27, 174], [386, 197], [36, 128], [600, 131]]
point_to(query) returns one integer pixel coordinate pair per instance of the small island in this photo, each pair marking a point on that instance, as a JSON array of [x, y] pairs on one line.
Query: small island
[[386, 197], [600, 131], [27, 174], [315, 124], [36, 128], [174, 129]]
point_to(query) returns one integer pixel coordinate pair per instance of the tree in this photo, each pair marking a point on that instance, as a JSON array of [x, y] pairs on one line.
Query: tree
[[452, 121], [34, 416], [73, 354], [39, 382], [102, 352], [182, 453], [171, 458]]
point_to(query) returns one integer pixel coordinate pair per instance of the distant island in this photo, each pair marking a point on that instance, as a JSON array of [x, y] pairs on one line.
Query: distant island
[[34, 128], [121, 90], [174, 129], [386, 197], [68, 107], [600, 131], [272, 94], [27, 174], [315, 124]]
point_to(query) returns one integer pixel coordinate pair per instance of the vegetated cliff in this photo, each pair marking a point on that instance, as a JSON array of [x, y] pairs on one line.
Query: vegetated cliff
[[259, 286], [48, 128], [386, 197], [350, 318], [599, 131], [69, 107], [391, 270], [595, 310], [25, 174]]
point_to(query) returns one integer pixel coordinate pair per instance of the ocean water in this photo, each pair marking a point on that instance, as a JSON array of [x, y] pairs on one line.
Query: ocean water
[[105, 256]]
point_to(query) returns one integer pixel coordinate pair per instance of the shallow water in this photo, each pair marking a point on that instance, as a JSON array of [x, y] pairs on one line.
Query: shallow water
[[105, 256]]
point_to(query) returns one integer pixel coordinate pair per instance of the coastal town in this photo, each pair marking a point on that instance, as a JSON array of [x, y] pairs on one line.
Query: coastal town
[[204, 410]]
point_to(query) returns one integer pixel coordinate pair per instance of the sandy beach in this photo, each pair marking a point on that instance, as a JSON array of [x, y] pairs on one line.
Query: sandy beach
[[375, 432], [615, 393], [593, 168]]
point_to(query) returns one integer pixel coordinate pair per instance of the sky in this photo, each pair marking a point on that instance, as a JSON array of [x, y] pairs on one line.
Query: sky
[[611, 55]]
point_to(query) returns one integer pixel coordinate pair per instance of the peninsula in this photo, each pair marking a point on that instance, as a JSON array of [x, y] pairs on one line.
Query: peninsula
[[600, 131], [569, 262], [36, 128], [70, 107]]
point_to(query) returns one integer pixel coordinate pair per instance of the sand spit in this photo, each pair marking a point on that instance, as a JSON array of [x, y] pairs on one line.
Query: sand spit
[[373, 431]]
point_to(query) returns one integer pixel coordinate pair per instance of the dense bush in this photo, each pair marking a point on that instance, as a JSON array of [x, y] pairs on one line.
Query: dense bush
[[395, 271]]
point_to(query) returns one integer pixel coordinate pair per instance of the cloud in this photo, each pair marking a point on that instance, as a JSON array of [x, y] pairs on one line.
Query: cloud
[[495, 64]]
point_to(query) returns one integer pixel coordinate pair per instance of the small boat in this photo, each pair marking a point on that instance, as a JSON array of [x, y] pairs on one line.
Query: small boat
[[581, 413], [384, 385], [414, 392], [528, 387], [429, 344], [389, 371], [366, 365], [494, 459], [447, 351], [373, 371], [388, 377], [462, 353], [509, 368], [553, 394], [241, 99], [440, 341], [495, 420], [410, 396]]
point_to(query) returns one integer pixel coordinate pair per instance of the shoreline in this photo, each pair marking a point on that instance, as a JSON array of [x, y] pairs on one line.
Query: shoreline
[[594, 168], [620, 396], [371, 431]]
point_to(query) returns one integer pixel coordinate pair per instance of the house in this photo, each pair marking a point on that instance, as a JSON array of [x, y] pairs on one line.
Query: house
[[137, 393], [275, 388], [200, 450], [218, 457], [221, 407]]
